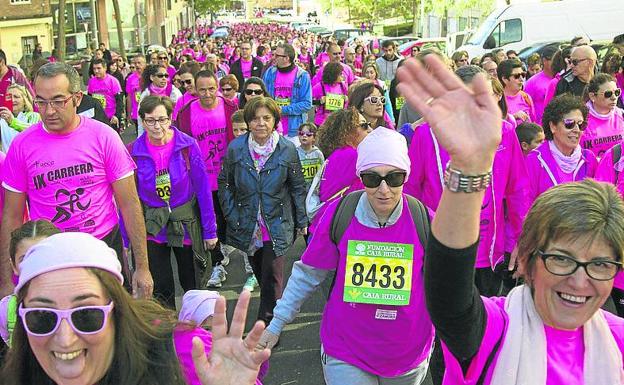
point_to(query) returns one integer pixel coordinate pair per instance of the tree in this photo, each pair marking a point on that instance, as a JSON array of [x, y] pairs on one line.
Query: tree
[[208, 7], [122, 48], [60, 44]]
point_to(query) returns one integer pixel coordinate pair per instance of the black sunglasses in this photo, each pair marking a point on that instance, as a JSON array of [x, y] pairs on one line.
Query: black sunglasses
[[188, 82], [162, 76], [366, 126], [227, 89], [393, 179], [608, 94], [518, 76], [254, 92], [570, 123]]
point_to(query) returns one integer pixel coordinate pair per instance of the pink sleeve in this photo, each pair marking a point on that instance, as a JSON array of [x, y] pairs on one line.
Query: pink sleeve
[[118, 162], [550, 92], [115, 87], [534, 170], [532, 111], [322, 253], [592, 163], [14, 169], [417, 165], [605, 172], [516, 193]]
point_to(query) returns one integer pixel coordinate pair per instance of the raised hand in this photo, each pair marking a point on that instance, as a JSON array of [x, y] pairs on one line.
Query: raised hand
[[233, 360], [466, 122]]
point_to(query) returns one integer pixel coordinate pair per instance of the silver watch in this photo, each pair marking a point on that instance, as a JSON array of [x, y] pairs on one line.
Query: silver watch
[[455, 181]]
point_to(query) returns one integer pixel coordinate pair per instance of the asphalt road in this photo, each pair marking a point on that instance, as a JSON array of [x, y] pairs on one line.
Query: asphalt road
[[296, 361]]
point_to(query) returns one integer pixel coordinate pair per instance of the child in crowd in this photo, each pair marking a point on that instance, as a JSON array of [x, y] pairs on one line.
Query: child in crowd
[[22, 239], [310, 156], [530, 136], [239, 127], [196, 314]]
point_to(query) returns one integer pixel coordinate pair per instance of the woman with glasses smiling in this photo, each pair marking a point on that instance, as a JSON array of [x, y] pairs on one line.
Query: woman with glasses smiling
[[78, 325], [560, 159], [551, 330], [375, 328], [155, 81]]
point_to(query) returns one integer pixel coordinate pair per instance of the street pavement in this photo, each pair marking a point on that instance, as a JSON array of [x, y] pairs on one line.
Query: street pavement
[[296, 360]]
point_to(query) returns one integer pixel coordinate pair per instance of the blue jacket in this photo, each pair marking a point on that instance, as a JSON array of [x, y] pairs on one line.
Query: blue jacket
[[277, 190], [300, 101], [188, 179]]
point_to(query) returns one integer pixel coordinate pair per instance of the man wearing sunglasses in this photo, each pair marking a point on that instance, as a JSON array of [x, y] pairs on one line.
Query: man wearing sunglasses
[[378, 252], [75, 172], [519, 103], [290, 86], [247, 66], [583, 62], [163, 58], [335, 56]]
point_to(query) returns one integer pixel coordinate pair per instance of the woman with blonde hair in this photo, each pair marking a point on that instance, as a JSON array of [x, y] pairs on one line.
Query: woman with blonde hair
[[20, 117]]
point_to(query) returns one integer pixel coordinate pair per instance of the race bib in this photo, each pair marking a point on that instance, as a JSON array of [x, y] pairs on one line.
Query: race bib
[[282, 102], [400, 102], [387, 82], [378, 273], [137, 96], [334, 102], [310, 167], [100, 98], [163, 185]]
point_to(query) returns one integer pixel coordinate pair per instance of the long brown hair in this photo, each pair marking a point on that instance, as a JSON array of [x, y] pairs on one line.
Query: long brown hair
[[144, 352], [338, 130]]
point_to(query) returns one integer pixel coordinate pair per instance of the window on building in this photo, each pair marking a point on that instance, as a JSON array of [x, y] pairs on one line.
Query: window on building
[[20, 1], [28, 44]]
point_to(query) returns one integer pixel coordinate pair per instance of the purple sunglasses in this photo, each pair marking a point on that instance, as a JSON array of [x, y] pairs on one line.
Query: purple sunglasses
[[42, 322]]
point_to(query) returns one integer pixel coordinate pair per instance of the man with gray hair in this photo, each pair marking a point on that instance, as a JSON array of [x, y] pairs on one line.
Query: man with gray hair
[[75, 172], [583, 61], [290, 86]]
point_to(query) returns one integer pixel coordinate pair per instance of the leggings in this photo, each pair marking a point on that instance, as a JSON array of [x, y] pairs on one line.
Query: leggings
[[269, 271], [159, 257]]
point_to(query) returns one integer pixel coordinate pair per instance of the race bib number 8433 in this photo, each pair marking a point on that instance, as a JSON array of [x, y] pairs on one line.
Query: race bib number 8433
[[378, 273]]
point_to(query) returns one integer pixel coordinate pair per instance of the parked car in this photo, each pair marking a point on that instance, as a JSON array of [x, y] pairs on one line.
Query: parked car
[[438, 43], [345, 33]]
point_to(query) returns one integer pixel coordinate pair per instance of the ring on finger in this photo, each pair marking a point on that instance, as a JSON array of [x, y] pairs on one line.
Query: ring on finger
[[429, 101]]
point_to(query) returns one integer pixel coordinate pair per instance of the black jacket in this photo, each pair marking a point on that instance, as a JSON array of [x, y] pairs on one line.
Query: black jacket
[[256, 70], [92, 108], [279, 190]]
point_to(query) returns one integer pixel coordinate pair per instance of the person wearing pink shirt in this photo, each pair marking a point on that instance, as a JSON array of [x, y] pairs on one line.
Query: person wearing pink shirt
[[75, 172], [519, 104], [330, 94], [247, 66], [106, 90], [605, 122], [504, 205], [133, 88], [335, 54], [365, 324], [537, 85], [560, 159], [550, 331], [187, 74], [163, 59]]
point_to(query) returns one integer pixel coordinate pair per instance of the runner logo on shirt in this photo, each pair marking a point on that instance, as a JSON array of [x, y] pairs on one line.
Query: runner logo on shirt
[[378, 273], [70, 202]]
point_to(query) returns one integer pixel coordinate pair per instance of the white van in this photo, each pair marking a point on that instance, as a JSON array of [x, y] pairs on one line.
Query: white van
[[519, 25]]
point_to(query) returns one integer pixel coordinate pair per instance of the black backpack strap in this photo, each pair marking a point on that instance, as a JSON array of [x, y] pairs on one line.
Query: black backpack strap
[[343, 215], [490, 358], [617, 155], [421, 219]]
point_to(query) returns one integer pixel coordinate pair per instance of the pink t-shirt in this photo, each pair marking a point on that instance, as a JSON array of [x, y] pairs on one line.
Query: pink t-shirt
[[284, 83], [104, 91], [133, 90], [181, 102], [321, 89], [209, 129], [603, 131], [521, 102], [2, 157], [564, 349], [536, 87], [370, 336], [68, 178], [246, 68]]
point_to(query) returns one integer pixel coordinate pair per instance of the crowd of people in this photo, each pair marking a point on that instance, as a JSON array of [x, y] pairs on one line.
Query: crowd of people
[[467, 211]]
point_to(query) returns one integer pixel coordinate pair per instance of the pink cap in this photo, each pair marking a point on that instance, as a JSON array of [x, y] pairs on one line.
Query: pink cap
[[197, 305], [66, 251]]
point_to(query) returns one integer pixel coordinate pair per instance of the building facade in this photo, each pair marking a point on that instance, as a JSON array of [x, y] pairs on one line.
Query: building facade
[[24, 24]]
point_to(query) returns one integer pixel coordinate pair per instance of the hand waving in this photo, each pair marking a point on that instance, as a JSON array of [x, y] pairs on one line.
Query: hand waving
[[466, 122], [233, 360]]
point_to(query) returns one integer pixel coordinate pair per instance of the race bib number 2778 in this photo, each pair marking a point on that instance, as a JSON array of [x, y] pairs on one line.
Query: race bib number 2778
[[378, 273]]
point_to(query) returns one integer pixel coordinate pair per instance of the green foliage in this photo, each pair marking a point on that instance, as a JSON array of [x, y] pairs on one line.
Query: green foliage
[[206, 7]]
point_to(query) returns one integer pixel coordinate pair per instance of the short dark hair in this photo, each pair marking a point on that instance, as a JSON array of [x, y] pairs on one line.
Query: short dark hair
[[100, 61], [467, 73], [206, 74], [594, 84], [506, 67], [559, 106], [527, 131], [3, 56], [289, 50], [256, 103], [388, 43], [313, 128], [361, 92], [619, 39], [331, 72], [511, 52], [488, 55], [549, 51], [150, 102]]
